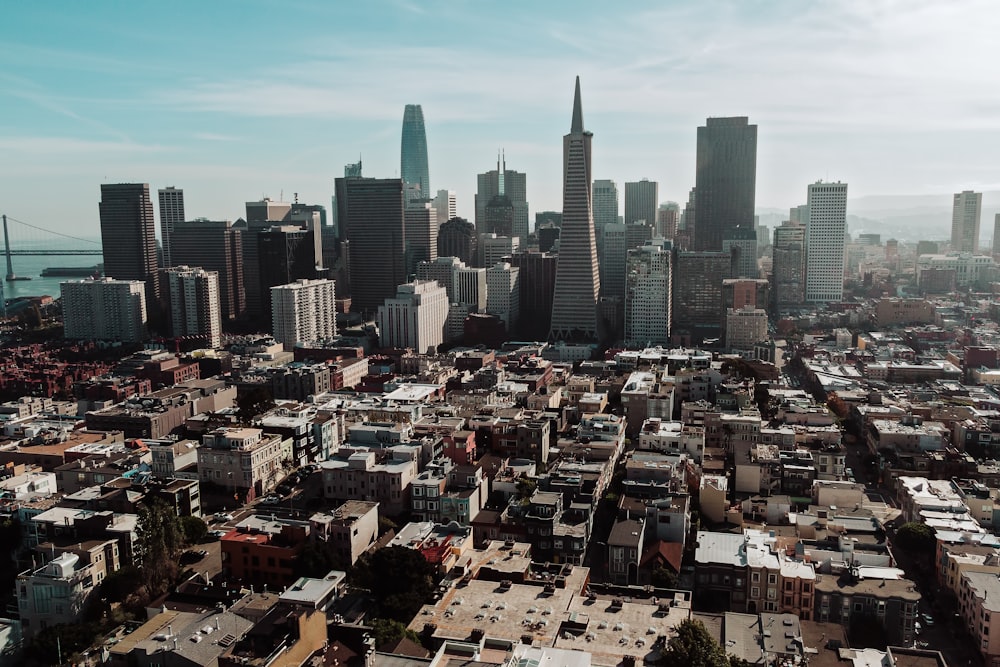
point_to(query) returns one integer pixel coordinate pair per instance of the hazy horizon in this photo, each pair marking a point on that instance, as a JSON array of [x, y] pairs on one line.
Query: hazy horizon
[[234, 101]]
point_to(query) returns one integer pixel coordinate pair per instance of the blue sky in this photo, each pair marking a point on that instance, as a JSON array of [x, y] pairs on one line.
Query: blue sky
[[234, 100]]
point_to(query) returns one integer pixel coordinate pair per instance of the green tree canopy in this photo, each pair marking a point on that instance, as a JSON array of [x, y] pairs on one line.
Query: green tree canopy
[[399, 578], [692, 646], [193, 528], [916, 536], [388, 631]]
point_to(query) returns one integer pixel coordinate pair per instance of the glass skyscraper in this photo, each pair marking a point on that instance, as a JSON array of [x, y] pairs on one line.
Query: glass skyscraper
[[725, 180], [413, 153]]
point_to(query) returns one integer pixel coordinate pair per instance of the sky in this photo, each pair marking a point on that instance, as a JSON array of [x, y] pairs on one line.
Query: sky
[[235, 100]]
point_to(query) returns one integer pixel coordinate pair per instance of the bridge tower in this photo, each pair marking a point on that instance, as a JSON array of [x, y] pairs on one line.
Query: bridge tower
[[6, 244]]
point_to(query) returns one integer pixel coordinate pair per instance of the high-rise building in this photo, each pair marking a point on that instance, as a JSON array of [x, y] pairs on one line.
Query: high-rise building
[[304, 311], [825, 233], [193, 303], [421, 234], [745, 327], [171, 213], [104, 309], [128, 236], [493, 248], [371, 213], [261, 216], [667, 218], [742, 241], [725, 179], [413, 154], [445, 205], [996, 234], [457, 238], [548, 236], [640, 201], [697, 292], [799, 215], [740, 293], [966, 212], [538, 282], [443, 271], [574, 304], [286, 253], [415, 317], [648, 294], [470, 287], [502, 182], [788, 265], [214, 246], [503, 297], [619, 239], [605, 201], [684, 239]]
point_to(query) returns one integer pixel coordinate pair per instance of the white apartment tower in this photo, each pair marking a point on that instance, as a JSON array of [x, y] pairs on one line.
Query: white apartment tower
[[415, 318], [503, 293], [445, 205], [648, 295], [303, 311], [966, 211], [104, 309], [470, 287], [195, 308], [825, 230]]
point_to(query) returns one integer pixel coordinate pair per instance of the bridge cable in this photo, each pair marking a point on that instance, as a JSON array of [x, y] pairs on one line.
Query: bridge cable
[[49, 231]]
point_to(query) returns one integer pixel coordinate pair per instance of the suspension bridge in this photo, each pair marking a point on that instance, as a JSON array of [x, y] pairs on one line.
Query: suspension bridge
[[25, 239]]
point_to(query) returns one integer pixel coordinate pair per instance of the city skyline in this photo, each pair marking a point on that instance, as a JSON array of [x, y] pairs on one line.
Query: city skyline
[[889, 114]]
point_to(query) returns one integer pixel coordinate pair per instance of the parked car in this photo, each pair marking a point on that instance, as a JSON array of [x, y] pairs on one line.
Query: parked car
[[284, 489], [927, 619], [223, 516], [270, 500], [217, 534]]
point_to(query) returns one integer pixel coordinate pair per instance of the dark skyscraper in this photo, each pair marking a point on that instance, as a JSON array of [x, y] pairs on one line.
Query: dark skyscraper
[[171, 213], [697, 294], [725, 180], [128, 236], [214, 246], [574, 304], [286, 253], [502, 200], [371, 214], [413, 156], [457, 238], [537, 284]]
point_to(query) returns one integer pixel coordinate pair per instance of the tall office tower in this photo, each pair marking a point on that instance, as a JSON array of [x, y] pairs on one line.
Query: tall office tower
[[825, 242], [548, 236], [304, 311], [538, 284], [214, 246], [285, 253], [574, 304], [743, 242], [194, 308], [684, 239], [445, 205], [171, 213], [421, 235], [966, 212], [442, 270], [996, 234], [493, 248], [415, 317], [667, 218], [613, 255], [745, 327], [788, 265], [697, 292], [104, 309], [470, 287], [457, 238], [725, 179], [503, 297], [605, 198], [413, 154], [372, 216], [498, 217], [503, 182], [648, 294], [261, 216], [353, 169], [640, 201], [128, 236]]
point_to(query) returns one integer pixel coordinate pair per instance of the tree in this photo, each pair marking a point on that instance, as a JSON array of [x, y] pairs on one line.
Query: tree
[[917, 537], [525, 487], [193, 528], [692, 646], [399, 578], [388, 632], [315, 560], [254, 402], [663, 577], [160, 542]]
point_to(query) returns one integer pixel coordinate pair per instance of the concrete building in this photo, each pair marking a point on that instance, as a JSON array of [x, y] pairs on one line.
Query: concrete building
[[788, 265], [421, 234], [104, 309], [641, 199], [58, 592], [825, 233], [260, 216], [725, 180], [458, 238], [697, 293], [214, 246], [962, 268], [604, 196], [128, 236], [241, 460], [364, 475], [304, 311], [574, 305], [966, 213], [194, 308], [648, 295], [445, 206], [351, 529], [538, 281], [494, 248], [471, 288], [171, 213], [741, 242], [979, 599], [414, 318], [503, 293], [745, 327]]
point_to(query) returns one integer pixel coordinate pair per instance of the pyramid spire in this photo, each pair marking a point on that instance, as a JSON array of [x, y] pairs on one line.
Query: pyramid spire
[[577, 125]]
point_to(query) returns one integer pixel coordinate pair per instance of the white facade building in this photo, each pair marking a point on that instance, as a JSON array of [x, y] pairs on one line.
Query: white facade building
[[194, 303], [647, 295], [744, 327], [825, 242], [966, 212], [414, 318], [104, 309], [503, 287], [444, 204], [470, 287], [304, 311], [967, 266], [493, 248]]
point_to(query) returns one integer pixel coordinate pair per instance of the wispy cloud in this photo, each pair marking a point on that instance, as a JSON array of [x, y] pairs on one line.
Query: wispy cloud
[[65, 146], [212, 136]]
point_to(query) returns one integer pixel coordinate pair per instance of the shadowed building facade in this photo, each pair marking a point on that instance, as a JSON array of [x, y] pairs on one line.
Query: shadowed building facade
[[725, 180], [128, 236]]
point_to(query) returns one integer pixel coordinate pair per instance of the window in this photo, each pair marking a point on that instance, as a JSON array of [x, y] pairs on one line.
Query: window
[[755, 577], [772, 578]]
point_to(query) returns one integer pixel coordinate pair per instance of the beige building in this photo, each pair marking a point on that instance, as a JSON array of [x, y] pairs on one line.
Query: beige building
[[243, 460], [979, 599], [745, 327], [415, 317]]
